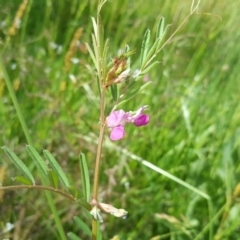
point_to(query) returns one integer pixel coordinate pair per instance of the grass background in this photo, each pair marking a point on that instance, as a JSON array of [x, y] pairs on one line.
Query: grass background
[[193, 105]]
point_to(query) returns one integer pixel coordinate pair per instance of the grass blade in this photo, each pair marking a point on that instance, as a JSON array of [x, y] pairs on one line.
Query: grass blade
[[56, 167], [83, 226], [73, 236], [19, 164], [85, 176]]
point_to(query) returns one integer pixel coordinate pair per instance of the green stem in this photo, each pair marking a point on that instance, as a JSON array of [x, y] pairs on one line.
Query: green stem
[[29, 141], [99, 149], [98, 161], [100, 69]]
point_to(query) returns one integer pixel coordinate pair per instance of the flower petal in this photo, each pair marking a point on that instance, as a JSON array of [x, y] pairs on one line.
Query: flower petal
[[142, 119], [117, 133], [116, 118], [132, 117]]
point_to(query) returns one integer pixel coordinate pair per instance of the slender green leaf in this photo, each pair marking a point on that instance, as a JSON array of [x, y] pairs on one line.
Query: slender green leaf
[[53, 178], [85, 176], [104, 58], [83, 226], [73, 236], [160, 39], [146, 70], [114, 92], [127, 48], [95, 28], [99, 88], [92, 55], [133, 92], [56, 167], [95, 49], [19, 164], [101, 3], [145, 46], [39, 162], [99, 232], [22, 179], [150, 54], [100, 36], [72, 190], [160, 28], [83, 203]]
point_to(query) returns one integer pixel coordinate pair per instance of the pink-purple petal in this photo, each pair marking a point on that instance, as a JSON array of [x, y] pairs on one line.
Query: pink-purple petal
[[116, 118], [117, 133], [142, 119]]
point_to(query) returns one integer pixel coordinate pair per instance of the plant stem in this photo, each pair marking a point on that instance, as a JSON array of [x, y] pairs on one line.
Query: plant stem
[[101, 78], [40, 187], [98, 160], [99, 148]]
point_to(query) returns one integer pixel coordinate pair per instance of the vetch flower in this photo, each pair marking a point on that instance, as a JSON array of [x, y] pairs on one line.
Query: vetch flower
[[117, 120], [142, 119], [117, 133], [139, 119]]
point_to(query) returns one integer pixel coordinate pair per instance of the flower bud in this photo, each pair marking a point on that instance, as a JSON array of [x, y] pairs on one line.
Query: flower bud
[[118, 72]]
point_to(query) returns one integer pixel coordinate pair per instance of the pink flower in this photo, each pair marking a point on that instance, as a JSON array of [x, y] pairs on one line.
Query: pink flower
[[117, 120], [142, 119], [117, 133]]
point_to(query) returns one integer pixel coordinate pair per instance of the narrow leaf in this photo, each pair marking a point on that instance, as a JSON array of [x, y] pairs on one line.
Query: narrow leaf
[[160, 28], [114, 92], [19, 164], [146, 70], [145, 46], [133, 92], [160, 39], [150, 54], [73, 236], [83, 226], [83, 203], [53, 178], [56, 167], [85, 176], [95, 50], [73, 191], [99, 232], [104, 58], [39, 162], [94, 27], [22, 179], [92, 55]]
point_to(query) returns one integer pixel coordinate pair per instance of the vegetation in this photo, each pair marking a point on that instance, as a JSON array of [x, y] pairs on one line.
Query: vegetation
[[178, 177]]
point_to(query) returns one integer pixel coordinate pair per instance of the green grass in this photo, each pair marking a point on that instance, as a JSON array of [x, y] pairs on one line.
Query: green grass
[[193, 105]]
